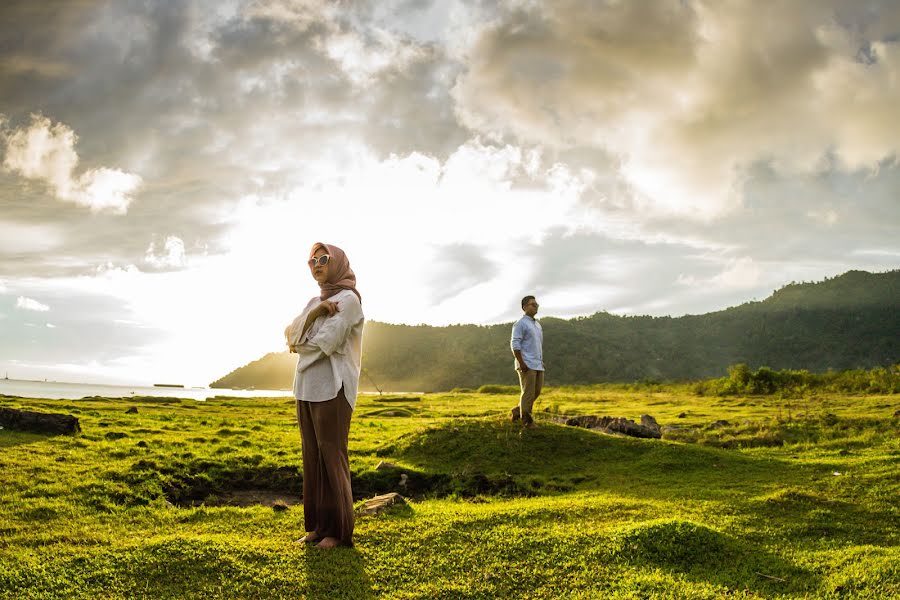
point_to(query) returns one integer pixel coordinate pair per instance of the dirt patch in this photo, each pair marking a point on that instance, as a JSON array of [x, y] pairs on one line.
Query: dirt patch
[[397, 399], [214, 484], [274, 486], [244, 498]]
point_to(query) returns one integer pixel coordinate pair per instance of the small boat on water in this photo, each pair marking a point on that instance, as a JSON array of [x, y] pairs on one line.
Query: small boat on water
[[168, 385]]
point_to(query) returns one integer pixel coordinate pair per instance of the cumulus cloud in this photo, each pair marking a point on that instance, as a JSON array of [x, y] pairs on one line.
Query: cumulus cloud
[[30, 304], [363, 58], [45, 151], [169, 255], [361, 52], [689, 95]]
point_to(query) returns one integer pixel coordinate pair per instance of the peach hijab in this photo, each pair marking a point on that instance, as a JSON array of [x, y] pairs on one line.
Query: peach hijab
[[340, 275]]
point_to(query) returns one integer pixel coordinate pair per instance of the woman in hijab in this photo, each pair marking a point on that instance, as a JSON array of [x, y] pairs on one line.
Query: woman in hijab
[[327, 337]]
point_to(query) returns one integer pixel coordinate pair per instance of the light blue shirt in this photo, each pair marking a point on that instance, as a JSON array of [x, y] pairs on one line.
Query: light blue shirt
[[528, 338]]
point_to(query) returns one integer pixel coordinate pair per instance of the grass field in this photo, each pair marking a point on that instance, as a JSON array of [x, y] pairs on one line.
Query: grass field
[[788, 498]]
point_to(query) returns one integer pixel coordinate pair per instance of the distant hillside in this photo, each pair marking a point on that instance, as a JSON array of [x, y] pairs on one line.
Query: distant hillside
[[849, 321]]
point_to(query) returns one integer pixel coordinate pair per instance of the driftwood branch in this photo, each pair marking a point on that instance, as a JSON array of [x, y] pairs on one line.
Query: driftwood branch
[[770, 577]]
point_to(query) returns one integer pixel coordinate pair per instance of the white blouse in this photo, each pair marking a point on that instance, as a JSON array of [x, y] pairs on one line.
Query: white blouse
[[330, 353]]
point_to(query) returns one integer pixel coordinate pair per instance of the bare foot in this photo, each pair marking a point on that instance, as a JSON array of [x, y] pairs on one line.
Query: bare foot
[[329, 542], [310, 538]]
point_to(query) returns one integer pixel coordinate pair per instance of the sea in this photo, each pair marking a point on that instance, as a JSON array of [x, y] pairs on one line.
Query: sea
[[75, 391]]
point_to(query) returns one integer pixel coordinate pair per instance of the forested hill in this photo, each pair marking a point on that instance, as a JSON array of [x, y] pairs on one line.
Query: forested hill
[[850, 321]]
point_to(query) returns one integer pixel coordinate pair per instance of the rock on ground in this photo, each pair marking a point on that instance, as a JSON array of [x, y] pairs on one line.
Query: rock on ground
[[379, 504], [38, 422], [647, 429]]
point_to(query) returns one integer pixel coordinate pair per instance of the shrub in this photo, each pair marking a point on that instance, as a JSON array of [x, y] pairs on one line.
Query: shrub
[[498, 389], [795, 383]]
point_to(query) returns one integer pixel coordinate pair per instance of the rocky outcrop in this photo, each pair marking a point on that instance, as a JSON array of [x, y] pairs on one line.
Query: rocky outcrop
[[648, 427]]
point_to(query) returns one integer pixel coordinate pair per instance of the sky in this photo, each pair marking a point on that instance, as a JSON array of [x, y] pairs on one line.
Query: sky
[[165, 165]]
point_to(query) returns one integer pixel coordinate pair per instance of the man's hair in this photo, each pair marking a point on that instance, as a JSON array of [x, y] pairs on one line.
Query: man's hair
[[526, 300]]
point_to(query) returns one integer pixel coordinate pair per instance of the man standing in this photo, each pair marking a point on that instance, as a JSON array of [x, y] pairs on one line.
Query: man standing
[[527, 346]]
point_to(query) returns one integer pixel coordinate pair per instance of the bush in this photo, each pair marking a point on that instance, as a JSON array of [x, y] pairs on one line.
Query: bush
[[793, 383], [498, 389]]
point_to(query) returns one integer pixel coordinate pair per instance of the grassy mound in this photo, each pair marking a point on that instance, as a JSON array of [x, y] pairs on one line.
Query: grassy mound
[[677, 544], [693, 549], [555, 458]]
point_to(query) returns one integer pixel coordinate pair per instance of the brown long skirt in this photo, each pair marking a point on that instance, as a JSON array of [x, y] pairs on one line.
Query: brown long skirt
[[327, 496]]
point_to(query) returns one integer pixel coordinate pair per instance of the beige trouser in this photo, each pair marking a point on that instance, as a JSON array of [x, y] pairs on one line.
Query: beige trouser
[[327, 496], [531, 383]]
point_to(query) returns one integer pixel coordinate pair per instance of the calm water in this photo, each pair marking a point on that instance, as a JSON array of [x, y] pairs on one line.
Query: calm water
[[73, 391]]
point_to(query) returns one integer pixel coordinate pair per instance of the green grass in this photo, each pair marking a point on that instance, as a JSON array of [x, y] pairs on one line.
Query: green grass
[[791, 498]]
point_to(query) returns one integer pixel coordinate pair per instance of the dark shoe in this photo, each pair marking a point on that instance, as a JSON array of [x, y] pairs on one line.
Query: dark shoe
[[514, 414], [527, 420]]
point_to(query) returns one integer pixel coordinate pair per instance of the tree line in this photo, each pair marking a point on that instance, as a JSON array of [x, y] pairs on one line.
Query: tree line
[[848, 322]]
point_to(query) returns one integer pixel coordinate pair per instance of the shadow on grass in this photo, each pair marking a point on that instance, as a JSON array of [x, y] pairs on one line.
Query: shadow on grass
[[336, 573], [9, 438], [810, 517]]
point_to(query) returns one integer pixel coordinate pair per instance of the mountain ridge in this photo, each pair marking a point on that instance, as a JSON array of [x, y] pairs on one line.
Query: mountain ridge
[[847, 321]]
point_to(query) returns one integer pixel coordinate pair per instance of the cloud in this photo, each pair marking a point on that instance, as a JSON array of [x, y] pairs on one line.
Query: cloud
[[18, 238], [30, 304], [45, 152], [456, 268], [172, 254], [363, 58], [210, 106], [740, 273], [690, 95], [592, 152], [23, 64]]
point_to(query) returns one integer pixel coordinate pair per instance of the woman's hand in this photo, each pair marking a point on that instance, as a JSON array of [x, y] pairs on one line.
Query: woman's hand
[[327, 308]]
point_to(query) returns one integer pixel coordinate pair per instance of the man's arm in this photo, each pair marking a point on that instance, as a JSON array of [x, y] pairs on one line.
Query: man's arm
[[522, 366], [518, 334]]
